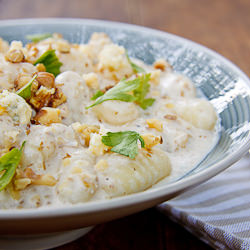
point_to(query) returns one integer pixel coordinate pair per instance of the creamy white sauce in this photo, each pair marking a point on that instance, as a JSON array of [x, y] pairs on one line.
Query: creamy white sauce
[[79, 169]]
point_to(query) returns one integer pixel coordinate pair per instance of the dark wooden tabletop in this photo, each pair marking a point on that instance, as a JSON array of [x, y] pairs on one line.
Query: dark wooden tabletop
[[222, 25]]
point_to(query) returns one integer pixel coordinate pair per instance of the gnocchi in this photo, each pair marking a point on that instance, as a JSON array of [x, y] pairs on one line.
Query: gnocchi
[[98, 125], [124, 176]]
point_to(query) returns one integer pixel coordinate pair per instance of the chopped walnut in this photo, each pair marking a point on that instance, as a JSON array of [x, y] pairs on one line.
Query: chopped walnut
[[162, 64], [91, 80], [46, 179], [63, 46], [40, 67], [47, 115], [58, 98], [43, 90], [46, 79], [14, 56], [151, 140], [15, 53], [156, 124], [35, 179], [85, 130], [21, 183], [42, 97], [28, 172], [32, 53]]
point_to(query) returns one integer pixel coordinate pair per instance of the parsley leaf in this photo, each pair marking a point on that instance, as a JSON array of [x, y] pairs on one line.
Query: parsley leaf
[[8, 164], [124, 143], [119, 92], [141, 92], [50, 61], [122, 92], [25, 91], [38, 37], [135, 67], [97, 94]]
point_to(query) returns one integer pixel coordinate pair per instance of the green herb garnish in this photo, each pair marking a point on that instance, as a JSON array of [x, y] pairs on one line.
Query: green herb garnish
[[135, 67], [8, 164], [124, 143], [97, 94], [50, 61], [38, 37], [25, 91], [122, 92], [119, 92], [141, 92]]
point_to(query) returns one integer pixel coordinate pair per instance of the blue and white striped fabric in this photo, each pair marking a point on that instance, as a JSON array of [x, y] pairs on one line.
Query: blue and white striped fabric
[[218, 211]]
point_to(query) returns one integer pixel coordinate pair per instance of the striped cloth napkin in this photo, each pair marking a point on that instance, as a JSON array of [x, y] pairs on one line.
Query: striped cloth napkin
[[218, 211]]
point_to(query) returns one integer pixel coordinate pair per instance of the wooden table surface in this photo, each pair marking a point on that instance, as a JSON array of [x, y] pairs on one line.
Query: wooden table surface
[[222, 25]]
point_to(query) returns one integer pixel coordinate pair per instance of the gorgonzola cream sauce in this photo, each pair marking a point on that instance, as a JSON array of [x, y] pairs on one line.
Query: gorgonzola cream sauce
[[64, 160]]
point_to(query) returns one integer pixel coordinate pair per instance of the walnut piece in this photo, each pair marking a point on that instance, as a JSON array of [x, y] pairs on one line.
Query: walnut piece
[[14, 56], [21, 183], [91, 80], [47, 115], [57, 99], [63, 46], [162, 64], [85, 130], [29, 176], [156, 124], [151, 140], [46, 79], [40, 67], [46, 179], [42, 97]]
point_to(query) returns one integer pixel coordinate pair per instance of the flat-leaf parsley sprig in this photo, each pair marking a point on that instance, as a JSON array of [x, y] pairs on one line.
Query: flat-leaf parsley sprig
[[141, 92], [119, 92], [50, 61], [124, 143], [127, 91], [8, 165]]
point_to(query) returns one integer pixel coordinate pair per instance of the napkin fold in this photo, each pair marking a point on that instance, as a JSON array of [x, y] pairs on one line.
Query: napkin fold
[[217, 211]]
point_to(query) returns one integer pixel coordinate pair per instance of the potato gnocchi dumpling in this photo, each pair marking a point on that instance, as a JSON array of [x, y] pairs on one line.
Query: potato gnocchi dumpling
[[93, 123], [198, 112], [116, 112], [78, 181], [122, 176]]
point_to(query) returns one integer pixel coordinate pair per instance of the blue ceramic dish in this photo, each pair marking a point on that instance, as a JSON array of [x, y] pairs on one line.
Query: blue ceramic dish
[[220, 81]]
